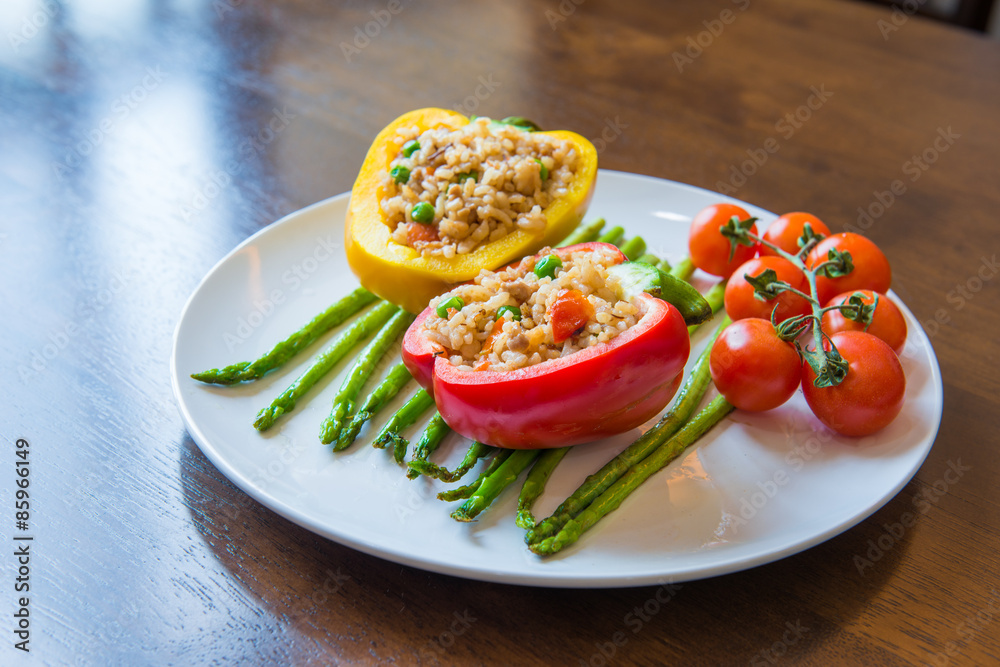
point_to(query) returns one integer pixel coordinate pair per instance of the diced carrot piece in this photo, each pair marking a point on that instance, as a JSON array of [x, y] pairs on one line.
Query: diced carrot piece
[[416, 232], [569, 313]]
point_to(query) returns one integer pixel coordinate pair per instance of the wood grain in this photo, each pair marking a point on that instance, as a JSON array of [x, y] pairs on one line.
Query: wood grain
[[140, 143]]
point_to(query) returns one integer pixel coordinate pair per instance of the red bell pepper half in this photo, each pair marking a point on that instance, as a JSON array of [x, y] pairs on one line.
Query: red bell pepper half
[[593, 393]]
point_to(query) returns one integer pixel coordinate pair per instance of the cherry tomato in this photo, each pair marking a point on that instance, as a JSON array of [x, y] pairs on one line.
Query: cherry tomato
[[741, 302], [871, 394], [568, 313], [753, 368], [871, 268], [887, 322], [709, 249], [786, 231]]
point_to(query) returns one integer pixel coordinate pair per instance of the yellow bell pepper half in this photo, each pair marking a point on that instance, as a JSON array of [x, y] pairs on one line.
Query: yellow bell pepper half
[[400, 274]]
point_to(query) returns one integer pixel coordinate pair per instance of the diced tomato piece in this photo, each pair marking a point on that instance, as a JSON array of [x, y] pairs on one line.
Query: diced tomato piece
[[417, 232], [568, 313]]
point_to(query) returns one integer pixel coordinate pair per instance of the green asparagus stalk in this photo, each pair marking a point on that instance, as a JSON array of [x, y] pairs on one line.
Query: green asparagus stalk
[[683, 270], [687, 400], [362, 369], [466, 491], [611, 498], [534, 485], [433, 434], [614, 236], [494, 484], [650, 259], [584, 233], [664, 266], [332, 317], [417, 405], [475, 452], [633, 248], [716, 299], [363, 327], [396, 379]]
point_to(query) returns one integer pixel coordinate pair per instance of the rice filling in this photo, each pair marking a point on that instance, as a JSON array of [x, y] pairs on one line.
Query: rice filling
[[475, 337], [447, 192]]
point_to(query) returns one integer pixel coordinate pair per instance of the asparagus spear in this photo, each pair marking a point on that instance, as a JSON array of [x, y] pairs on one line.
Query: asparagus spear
[[683, 270], [651, 259], [535, 484], [363, 367], [333, 316], [431, 438], [494, 484], [406, 415], [610, 499], [475, 452], [664, 266], [396, 379], [613, 236], [341, 345], [584, 233], [466, 491], [633, 248], [688, 398]]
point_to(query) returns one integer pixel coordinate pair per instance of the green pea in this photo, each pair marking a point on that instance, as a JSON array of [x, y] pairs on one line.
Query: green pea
[[465, 175], [544, 172], [400, 174], [410, 147], [515, 313], [423, 212], [546, 266], [443, 307]]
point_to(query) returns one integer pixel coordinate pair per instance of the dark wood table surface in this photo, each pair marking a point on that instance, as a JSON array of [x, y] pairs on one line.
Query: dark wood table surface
[[140, 142]]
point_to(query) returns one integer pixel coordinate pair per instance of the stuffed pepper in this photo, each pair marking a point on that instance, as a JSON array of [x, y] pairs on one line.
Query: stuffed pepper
[[548, 352], [441, 197]]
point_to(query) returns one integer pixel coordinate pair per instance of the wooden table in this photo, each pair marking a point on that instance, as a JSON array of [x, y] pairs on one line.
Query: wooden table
[[141, 143]]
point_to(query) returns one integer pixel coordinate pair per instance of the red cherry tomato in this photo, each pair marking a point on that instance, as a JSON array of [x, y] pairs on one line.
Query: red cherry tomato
[[709, 249], [887, 322], [786, 231], [741, 302], [753, 368], [871, 268], [871, 394]]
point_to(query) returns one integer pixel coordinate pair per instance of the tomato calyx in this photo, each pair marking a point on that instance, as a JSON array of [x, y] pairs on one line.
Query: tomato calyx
[[856, 309], [738, 232], [837, 265]]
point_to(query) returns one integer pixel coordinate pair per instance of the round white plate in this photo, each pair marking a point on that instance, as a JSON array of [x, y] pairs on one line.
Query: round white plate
[[757, 488]]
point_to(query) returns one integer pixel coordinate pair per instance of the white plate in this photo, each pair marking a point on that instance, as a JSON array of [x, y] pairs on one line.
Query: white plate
[[755, 489]]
